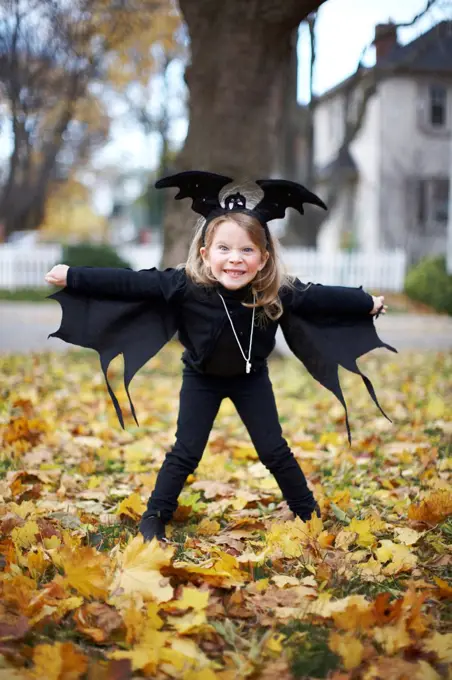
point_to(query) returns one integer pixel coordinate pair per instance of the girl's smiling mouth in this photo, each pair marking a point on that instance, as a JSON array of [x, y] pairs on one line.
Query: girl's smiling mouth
[[234, 272]]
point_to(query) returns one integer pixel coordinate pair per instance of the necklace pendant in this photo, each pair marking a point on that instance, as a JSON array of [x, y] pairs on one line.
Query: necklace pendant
[[248, 367]]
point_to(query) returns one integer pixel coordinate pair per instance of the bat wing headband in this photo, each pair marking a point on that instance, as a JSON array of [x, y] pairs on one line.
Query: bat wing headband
[[203, 188]]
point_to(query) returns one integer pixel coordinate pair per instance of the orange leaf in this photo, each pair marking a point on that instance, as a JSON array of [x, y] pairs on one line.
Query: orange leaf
[[61, 661], [433, 509]]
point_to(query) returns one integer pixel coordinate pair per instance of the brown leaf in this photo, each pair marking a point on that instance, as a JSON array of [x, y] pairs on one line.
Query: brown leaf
[[13, 626], [97, 621]]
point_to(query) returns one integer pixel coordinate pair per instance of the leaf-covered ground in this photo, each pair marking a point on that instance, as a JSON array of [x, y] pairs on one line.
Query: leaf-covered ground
[[242, 591]]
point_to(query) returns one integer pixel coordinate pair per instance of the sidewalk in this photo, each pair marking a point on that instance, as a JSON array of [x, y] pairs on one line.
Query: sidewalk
[[24, 327]]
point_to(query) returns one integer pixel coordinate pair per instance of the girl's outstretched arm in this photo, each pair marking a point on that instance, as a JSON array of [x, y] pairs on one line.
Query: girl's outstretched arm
[[314, 299], [117, 282]]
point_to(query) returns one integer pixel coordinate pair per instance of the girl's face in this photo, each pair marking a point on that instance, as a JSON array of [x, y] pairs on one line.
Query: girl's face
[[233, 258]]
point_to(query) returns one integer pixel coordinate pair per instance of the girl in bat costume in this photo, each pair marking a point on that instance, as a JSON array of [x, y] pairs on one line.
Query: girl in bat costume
[[226, 304]]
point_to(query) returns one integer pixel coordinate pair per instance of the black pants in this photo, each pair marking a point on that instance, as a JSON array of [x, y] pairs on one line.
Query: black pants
[[200, 400]]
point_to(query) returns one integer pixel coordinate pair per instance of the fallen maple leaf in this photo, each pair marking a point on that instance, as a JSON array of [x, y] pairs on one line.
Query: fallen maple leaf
[[348, 647], [440, 645], [97, 621], [436, 507], [139, 570], [132, 506], [60, 661], [399, 558], [87, 571]]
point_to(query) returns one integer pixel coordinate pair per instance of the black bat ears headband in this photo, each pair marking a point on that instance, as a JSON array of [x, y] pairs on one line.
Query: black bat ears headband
[[204, 188]]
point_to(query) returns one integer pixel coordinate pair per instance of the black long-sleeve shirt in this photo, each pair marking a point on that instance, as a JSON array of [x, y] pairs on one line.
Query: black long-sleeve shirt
[[203, 326]]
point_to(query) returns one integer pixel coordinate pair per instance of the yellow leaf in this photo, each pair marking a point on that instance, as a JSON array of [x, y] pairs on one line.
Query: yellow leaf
[[362, 527], [436, 407], [441, 645], [86, 571], [445, 590], [289, 538], [371, 568], [250, 556], [24, 537], [147, 654], [324, 606], [190, 650], [325, 539], [274, 643], [425, 672], [344, 539], [314, 525], [60, 661], [399, 557], [348, 647], [132, 506], [222, 571], [262, 584], [22, 509], [52, 543], [139, 570], [37, 562], [393, 638], [208, 527], [333, 438], [191, 598], [342, 499], [407, 536], [189, 623]]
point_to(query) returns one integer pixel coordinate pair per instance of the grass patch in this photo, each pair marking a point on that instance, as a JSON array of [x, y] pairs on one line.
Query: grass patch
[[7, 464], [106, 537], [342, 586], [308, 650], [28, 294]]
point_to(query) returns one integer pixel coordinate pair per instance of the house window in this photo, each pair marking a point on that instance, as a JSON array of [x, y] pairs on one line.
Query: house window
[[438, 106], [432, 203]]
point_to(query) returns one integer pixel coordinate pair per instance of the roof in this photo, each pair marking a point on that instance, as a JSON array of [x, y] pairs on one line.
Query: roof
[[430, 53], [344, 161]]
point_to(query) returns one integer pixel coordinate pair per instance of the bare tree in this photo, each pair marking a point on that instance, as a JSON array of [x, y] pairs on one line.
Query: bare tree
[[240, 60], [51, 54]]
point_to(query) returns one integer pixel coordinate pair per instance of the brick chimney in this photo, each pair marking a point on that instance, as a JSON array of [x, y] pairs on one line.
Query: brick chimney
[[385, 39]]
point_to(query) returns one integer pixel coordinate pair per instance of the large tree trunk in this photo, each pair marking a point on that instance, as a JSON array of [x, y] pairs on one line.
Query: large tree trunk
[[239, 61]]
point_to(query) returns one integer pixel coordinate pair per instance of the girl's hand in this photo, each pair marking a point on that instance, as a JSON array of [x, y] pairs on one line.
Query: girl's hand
[[57, 275], [379, 306]]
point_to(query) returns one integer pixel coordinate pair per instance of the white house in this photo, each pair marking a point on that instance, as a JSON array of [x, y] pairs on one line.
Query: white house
[[396, 170]]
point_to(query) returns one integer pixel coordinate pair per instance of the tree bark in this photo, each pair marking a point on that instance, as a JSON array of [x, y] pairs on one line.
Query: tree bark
[[236, 81]]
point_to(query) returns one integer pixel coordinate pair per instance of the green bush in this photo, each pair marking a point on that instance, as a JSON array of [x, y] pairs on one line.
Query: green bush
[[27, 294], [429, 282], [92, 255]]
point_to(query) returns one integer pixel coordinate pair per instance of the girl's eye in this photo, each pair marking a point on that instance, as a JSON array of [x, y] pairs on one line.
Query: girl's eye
[[248, 250], [222, 247]]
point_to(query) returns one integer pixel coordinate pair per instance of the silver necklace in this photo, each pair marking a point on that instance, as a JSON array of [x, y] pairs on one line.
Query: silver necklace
[[247, 359]]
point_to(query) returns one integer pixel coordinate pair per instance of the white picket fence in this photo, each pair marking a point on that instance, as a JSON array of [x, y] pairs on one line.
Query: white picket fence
[[22, 267]]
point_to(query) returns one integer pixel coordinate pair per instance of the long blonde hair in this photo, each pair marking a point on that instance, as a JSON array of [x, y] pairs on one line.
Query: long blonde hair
[[267, 282]]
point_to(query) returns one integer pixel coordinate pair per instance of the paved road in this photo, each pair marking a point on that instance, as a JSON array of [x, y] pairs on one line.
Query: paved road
[[25, 326]]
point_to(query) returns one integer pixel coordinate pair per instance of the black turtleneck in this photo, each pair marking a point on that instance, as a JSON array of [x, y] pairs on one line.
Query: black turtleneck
[[240, 294], [226, 358]]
